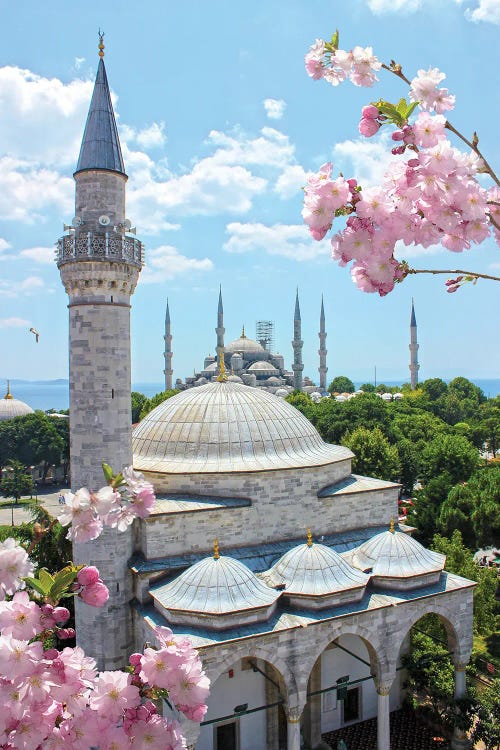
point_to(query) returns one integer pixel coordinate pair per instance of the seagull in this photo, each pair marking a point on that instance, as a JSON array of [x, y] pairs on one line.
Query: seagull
[[35, 333]]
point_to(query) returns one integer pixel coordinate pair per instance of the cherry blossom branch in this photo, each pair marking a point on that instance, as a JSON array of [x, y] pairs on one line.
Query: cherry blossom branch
[[472, 274], [397, 70]]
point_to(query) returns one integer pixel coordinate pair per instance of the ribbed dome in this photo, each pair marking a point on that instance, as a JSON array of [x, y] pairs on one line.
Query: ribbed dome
[[11, 407], [396, 555], [314, 570], [228, 427], [262, 368], [246, 345], [215, 587]]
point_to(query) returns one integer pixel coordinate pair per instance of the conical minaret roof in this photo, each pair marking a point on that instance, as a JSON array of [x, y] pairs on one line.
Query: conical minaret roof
[[413, 320], [100, 147], [297, 307]]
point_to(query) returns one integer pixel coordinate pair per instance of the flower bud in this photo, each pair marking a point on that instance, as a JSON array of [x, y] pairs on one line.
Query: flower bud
[[88, 575]]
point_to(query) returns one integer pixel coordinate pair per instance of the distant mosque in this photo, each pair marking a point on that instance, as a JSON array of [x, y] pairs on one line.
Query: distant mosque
[[11, 407], [252, 362]]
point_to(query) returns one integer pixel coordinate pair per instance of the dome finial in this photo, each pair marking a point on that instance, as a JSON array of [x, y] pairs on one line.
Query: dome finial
[[8, 394], [222, 376], [216, 549], [101, 43], [309, 538], [391, 526]]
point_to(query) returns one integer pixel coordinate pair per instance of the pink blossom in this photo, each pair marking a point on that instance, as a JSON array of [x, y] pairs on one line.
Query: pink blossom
[[87, 575], [113, 693], [428, 129], [14, 565], [368, 127], [20, 618], [157, 665], [189, 688], [370, 112], [423, 89], [157, 734], [97, 594], [314, 59], [85, 527]]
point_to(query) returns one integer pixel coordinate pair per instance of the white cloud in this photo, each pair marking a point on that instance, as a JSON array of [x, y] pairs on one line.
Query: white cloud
[[275, 108], [487, 10], [26, 190], [79, 62], [366, 159], [25, 287], [290, 181], [287, 240], [166, 262], [4, 245], [394, 6], [271, 149], [39, 254], [153, 136], [14, 323], [403, 252]]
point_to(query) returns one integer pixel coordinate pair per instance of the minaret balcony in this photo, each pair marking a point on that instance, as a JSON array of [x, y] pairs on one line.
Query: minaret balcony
[[93, 246]]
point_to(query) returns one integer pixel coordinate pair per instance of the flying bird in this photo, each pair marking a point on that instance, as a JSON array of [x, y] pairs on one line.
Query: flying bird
[[35, 333]]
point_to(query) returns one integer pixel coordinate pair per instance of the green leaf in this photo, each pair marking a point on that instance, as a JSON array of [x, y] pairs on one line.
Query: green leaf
[[117, 481], [62, 582], [108, 472], [46, 580], [410, 109], [335, 40], [34, 583]]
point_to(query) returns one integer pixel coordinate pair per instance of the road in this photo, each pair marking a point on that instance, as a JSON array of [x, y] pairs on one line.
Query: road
[[48, 496]]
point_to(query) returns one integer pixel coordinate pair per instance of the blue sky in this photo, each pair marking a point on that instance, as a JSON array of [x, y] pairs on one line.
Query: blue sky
[[219, 124]]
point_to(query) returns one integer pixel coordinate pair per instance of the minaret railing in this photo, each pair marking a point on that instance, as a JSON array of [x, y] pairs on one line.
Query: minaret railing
[[94, 246]]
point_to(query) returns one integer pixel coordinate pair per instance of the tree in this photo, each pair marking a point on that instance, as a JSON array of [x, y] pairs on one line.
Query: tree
[[409, 463], [451, 456], [487, 728], [16, 482], [373, 456], [464, 389], [138, 401], [341, 384], [333, 419], [367, 388], [152, 403], [418, 426], [434, 388], [460, 560], [32, 439], [412, 205], [302, 402], [473, 508]]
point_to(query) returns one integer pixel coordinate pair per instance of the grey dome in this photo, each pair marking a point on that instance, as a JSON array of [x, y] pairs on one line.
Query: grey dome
[[262, 368], [396, 555], [314, 570], [228, 427], [244, 345], [215, 586], [11, 407]]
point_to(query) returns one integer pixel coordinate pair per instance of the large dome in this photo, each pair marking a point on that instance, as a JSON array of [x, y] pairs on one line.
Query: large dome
[[11, 407], [244, 345], [228, 427]]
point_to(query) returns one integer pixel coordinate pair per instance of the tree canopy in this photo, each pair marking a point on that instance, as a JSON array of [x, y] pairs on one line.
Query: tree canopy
[[341, 384]]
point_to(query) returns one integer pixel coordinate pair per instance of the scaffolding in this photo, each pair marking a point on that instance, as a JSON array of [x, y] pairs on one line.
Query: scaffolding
[[264, 334]]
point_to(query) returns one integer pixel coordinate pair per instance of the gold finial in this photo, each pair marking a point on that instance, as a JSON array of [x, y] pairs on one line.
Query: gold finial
[[101, 43], [243, 333], [216, 549], [391, 526], [222, 376], [8, 394], [309, 538]]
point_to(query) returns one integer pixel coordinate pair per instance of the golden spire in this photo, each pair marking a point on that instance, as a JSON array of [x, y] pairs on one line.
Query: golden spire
[[391, 525], [222, 376], [309, 538], [101, 43], [243, 333], [216, 549], [8, 394]]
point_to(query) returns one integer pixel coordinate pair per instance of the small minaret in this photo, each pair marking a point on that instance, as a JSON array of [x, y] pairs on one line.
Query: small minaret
[[413, 347], [168, 352], [220, 330], [100, 266], [297, 344], [322, 351]]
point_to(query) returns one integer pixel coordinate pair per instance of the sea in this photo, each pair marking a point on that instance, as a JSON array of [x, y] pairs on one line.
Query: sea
[[54, 394]]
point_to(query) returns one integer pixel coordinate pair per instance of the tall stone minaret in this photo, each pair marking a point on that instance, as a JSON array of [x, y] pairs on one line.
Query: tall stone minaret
[[168, 352], [322, 351], [220, 330], [297, 344], [100, 267], [413, 347]]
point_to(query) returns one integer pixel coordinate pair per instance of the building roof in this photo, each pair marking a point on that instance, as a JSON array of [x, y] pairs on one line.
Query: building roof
[[244, 345], [228, 427], [216, 586], [314, 570], [100, 147], [11, 407], [262, 368], [396, 555]]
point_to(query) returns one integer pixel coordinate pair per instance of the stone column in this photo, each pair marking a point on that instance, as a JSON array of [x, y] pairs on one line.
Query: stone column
[[383, 715], [312, 711], [460, 740], [293, 728]]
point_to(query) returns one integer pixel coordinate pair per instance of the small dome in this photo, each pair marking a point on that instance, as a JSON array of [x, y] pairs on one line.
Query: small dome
[[201, 381], [390, 556], [314, 570], [387, 396], [211, 368], [262, 368], [244, 344], [218, 588], [281, 392], [11, 407], [273, 381], [234, 379]]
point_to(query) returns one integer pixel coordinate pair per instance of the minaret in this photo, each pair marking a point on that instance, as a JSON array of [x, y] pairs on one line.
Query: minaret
[[297, 344], [413, 347], [220, 330], [100, 266], [168, 352], [322, 351]]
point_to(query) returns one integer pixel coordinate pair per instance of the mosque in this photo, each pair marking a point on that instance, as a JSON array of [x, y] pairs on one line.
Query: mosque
[[284, 568], [11, 407]]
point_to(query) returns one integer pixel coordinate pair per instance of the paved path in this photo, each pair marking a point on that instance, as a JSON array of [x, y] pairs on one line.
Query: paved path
[[47, 496]]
